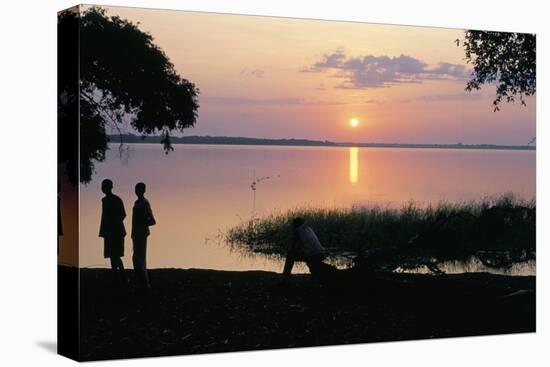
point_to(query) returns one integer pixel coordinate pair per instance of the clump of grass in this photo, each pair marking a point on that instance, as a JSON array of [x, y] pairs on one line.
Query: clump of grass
[[499, 231]]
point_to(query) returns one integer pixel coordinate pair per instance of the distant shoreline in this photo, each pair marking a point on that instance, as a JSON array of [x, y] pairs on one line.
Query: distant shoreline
[[227, 140]]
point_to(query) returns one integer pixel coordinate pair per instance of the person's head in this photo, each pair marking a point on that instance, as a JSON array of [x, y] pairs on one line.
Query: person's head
[[140, 189], [107, 186], [297, 222]]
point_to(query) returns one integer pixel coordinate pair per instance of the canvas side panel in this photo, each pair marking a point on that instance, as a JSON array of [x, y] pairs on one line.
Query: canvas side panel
[[68, 178]]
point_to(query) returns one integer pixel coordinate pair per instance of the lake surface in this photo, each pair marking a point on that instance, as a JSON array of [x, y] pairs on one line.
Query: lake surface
[[199, 191]]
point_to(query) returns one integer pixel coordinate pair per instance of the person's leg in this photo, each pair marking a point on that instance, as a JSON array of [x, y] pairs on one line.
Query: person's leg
[[114, 263], [138, 258], [117, 267], [289, 264], [113, 247], [120, 253], [144, 263], [119, 263], [107, 251], [315, 265], [135, 260]]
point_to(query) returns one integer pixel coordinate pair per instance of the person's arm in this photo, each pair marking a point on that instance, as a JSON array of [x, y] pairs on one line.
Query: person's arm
[[122, 210], [102, 221], [150, 217]]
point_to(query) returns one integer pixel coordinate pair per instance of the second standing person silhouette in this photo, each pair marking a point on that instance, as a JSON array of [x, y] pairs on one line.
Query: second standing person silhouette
[[142, 218]]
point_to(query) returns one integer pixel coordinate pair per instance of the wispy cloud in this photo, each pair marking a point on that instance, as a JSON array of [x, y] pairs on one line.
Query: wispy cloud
[[266, 101], [254, 73], [465, 96], [370, 71], [456, 71], [373, 101]]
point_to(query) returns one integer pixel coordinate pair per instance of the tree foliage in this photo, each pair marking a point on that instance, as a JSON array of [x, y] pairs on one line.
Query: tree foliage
[[67, 92], [125, 78], [507, 59]]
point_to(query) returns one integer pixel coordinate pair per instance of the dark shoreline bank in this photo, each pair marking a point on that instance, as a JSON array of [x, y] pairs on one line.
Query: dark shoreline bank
[[207, 311]]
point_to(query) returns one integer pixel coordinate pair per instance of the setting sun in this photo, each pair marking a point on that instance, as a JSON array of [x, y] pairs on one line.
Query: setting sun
[[354, 122]]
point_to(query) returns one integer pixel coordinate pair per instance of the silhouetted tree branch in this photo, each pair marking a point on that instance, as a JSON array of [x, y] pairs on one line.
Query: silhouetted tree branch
[[507, 59]]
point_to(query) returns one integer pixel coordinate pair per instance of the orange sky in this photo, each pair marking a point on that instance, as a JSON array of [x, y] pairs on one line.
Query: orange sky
[[295, 78]]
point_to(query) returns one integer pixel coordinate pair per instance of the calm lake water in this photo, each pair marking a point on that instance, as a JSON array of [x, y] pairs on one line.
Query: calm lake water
[[197, 191]]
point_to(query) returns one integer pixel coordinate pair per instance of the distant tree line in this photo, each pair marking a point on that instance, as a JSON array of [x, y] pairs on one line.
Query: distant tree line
[[229, 140]]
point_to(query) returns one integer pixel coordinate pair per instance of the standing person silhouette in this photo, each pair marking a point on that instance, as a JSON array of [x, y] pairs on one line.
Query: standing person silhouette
[[112, 226], [142, 218]]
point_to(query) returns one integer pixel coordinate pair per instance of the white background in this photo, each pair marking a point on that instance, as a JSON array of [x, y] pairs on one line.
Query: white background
[[28, 182]]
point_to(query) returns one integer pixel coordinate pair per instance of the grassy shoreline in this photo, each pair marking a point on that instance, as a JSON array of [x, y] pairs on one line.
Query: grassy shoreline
[[500, 231], [206, 311]]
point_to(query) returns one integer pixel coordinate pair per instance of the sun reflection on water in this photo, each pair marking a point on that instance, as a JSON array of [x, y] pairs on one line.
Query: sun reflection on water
[[353, 165]]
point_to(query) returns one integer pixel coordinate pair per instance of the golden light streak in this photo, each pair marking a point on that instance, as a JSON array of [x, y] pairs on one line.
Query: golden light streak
[[353, 164]]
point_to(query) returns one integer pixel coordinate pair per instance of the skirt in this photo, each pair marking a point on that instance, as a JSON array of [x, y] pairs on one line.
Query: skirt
[[113, 247]]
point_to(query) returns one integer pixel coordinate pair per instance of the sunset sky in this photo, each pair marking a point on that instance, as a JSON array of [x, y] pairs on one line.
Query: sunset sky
[[295, 78]]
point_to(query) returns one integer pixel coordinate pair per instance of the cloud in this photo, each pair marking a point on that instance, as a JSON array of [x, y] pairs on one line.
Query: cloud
[[456, 71], [255, 73], [466, 96], [370, 71], [333, 60], [266, 101]]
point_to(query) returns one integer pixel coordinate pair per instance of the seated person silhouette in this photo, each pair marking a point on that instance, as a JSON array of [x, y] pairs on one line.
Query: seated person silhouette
[[142, 218], [306, 247], [112, 226]]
